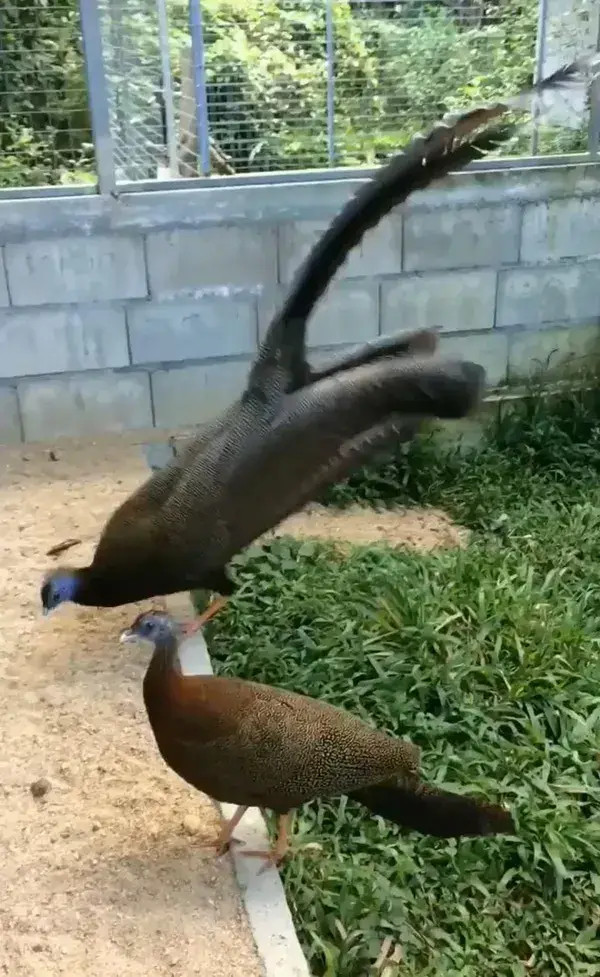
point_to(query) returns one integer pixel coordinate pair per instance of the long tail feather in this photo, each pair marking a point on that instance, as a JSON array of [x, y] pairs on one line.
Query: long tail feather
[[283, 352], [450, 145], [552, 95], [436, 812]]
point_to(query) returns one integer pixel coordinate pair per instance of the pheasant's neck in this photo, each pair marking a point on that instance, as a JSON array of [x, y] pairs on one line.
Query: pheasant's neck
[[164, 666]]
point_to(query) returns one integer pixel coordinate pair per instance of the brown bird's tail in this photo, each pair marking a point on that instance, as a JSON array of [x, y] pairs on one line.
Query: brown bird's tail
[[435, 812]]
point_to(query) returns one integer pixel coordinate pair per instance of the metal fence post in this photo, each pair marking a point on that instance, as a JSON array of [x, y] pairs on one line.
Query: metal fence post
[[167, 86], [594, 127], [540, 57], [201, 99], [91, 32], [330, 53]]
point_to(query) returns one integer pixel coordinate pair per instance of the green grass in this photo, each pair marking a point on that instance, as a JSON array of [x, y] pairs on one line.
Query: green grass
[[489, 659]]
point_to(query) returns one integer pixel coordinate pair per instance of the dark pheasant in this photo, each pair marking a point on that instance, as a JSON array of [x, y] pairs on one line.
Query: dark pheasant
[[294, 431], [253, 745]]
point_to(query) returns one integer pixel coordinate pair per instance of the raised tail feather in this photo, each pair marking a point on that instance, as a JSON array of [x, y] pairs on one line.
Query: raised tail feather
[[425, 159], [551, 94], [436, 812], [451, 145]]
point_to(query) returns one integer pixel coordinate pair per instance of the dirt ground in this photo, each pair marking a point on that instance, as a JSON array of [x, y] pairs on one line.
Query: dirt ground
[[105, 874], [418, 529]]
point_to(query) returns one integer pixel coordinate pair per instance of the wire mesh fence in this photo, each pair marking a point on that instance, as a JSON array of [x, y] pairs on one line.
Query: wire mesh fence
[[279, 85], [212, 87], [45, 135], [133, 72]]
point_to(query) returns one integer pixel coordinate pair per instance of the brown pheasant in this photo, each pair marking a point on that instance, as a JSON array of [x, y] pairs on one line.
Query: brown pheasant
[[254, 745]]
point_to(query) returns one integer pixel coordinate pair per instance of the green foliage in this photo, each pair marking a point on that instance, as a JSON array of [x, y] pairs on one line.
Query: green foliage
[[488, 659], [395, 76], [267, 78], [397, 70], [44, 126]]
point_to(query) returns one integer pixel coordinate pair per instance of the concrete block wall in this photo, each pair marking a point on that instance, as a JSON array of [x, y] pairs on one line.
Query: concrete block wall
[[146, 310]]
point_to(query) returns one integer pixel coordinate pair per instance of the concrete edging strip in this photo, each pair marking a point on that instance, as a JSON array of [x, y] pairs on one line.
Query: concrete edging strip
[[263, 896]]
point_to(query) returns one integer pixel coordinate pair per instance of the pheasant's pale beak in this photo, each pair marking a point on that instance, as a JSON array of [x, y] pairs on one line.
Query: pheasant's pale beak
[[127, 636]]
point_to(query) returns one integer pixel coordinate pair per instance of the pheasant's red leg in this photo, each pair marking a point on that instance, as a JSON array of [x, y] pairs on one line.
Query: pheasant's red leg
[[281, 847], [224, 838], [213, 608]]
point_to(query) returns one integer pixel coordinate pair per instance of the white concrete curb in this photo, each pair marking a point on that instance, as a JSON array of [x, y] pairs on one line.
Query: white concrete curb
[[263, 895]]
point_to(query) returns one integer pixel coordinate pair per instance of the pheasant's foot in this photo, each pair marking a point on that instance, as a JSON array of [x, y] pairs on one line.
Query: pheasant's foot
[[275, 855], [213, 608], [225, 839], [272, 857], [222, 847]]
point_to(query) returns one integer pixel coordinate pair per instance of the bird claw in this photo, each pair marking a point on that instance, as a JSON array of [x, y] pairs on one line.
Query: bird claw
[[222, 846], [273, 857]]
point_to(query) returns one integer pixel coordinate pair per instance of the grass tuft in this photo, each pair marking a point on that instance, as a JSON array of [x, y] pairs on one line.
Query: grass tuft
[[489, 659]]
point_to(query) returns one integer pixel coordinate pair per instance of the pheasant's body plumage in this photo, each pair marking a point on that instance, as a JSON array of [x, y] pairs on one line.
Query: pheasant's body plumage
[[248, 744]]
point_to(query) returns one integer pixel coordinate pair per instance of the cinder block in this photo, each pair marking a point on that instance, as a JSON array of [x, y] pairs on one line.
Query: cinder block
[[464, 237], [490, 350], [552, 351], [76, 269], [452, 301], [203, 329], [183, 261], [10, 423], [561, 229], [4, 300], [533, 296], [39, 341], [349, 313], [379, 253], [268, 303], [85, 404], [195, 394]]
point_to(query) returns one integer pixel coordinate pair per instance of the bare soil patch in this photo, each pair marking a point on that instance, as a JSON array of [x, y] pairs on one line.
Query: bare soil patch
[[418, 529], [103, 874]]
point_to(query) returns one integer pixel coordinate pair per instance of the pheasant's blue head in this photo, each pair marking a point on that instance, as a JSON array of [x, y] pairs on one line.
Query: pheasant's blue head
[[155, 626], [59, 586]]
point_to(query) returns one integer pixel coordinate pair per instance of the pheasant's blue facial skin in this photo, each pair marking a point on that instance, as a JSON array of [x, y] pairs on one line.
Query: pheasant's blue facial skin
[[57, 589], [153, 626]]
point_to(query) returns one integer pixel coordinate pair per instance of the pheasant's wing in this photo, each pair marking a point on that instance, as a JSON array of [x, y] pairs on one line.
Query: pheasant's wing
[[231, 496]]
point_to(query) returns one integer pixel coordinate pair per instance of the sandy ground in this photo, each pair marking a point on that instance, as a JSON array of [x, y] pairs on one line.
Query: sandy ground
[[418, 529], [105, 874]]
